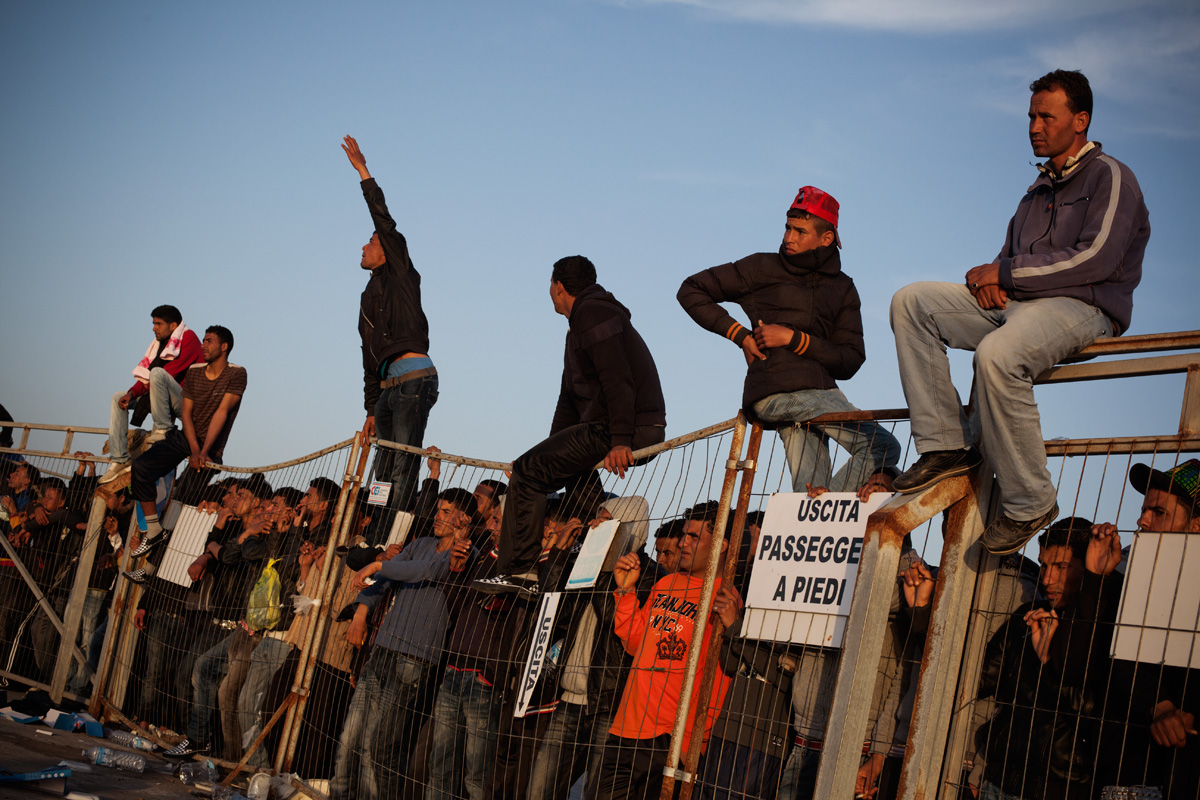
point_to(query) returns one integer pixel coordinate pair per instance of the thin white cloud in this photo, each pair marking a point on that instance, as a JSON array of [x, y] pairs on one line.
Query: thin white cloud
[[914, 16]]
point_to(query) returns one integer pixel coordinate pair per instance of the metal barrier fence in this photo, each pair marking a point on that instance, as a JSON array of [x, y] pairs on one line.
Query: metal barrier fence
[[187, 649]]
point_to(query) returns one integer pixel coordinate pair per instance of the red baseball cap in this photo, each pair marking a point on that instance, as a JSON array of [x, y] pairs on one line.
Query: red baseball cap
[[813, 201]]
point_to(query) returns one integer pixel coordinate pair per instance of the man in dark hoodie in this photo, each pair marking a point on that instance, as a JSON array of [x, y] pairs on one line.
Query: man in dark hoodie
[[400, 383], [807, 335], [610, 404]]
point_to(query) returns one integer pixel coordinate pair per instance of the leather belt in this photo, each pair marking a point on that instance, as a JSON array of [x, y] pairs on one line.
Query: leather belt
[[815, 745], [408, 376]]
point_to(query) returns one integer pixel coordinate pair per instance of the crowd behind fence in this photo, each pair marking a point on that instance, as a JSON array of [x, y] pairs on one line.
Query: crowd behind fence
[[289, 622]]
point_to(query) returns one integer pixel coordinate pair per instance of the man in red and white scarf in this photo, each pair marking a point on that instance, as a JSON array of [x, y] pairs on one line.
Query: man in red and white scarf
[[160, 375]]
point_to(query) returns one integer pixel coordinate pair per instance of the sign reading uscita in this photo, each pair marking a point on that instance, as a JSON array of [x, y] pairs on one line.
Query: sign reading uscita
[[805, 565]]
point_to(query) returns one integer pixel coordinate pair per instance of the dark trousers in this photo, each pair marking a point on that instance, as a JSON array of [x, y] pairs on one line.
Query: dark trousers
[[632, 769], [401, 414], [733, 770], [568, 458], [156, 462]]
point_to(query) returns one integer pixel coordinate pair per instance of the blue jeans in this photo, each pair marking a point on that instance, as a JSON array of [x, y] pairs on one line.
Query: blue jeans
[[990, 791], [379, 716], [266, 660], [573, 742], [1012, 346], [871, 446], [93, 606], [210, 668], [166, 404], [463, 745], [400, 416], [799, 779], [733, 770]]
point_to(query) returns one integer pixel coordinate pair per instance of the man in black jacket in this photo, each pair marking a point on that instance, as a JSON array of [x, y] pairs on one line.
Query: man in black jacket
[[610, 404], [807, 335], [400, 383]]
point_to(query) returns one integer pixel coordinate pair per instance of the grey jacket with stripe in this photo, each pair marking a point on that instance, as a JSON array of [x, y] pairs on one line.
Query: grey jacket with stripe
[[1081, 234]]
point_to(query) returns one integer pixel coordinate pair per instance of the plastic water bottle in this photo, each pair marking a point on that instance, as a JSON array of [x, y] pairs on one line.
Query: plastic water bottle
[[128, 739], [114, 758], [260, 787], [197, 772]]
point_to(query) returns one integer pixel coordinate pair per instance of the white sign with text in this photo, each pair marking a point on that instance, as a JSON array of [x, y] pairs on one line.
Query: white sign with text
[[539, 650], [805, 565], [1159, 618]]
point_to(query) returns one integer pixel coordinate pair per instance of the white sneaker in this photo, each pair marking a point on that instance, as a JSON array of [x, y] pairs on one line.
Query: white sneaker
[[156, 435], [115, 470]]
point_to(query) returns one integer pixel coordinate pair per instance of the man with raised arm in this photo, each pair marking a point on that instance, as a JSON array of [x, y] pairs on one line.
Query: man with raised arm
[[212, 395], [1064, 278], [610, 404], [400, 383], [806, 334]]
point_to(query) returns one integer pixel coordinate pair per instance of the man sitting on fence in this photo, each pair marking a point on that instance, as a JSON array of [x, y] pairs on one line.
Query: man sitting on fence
[[157, 390], [1064, 277], [380, 726], [658, 635], [610, 404], [212, 395], [806, 334], [1047, 669]]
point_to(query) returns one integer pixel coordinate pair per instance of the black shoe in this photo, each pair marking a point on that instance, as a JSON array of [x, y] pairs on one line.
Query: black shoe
[[138, 575], [933, 467], [149, 543], [507, 583], [185, 749], [1007, 535]]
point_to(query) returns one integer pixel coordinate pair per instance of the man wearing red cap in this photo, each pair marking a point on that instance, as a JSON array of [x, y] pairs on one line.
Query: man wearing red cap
[[1064, 278], [806, 334]]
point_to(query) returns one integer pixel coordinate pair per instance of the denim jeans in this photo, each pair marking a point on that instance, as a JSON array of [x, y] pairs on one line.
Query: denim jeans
[[378, 718], [871, 446], [266, 660], [573, 743], [400, 416], [237, 658], [990, 791], [166, 404], [799, 778], [732, 771], [465, 724], [1012, 346], [78, 679], [206, 682]]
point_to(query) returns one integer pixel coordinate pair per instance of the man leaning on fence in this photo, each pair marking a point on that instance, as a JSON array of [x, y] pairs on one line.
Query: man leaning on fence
[[158, 389], [1157, 744], [610, 404], [1064, 277], [806, 335], [400, 383], [1047, 669]]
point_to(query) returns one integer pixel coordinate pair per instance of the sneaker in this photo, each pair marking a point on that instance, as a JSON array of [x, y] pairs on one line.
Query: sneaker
[[522, 584], [155, 436], [1007, 535], [934, 466], [186, 749], [115, 470], [148, 544], [138, 575]]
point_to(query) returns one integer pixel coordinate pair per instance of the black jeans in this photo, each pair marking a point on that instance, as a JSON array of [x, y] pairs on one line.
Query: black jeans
[[568, 458], [631, 769], [156, 462]]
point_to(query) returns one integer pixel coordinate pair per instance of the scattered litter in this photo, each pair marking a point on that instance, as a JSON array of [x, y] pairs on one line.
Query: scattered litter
[[76, 766], [81, 796], [53, 779], [44, 732], [116, 758]]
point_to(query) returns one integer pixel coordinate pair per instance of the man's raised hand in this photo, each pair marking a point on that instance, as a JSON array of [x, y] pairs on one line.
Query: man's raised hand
[[626, 572], [1104, 549], [357, 159]]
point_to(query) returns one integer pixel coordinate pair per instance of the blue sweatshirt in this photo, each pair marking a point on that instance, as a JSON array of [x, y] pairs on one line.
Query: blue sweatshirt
[[1081, 234]]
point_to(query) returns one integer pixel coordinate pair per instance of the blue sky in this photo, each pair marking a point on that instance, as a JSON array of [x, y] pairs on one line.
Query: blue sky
[[188, 153]]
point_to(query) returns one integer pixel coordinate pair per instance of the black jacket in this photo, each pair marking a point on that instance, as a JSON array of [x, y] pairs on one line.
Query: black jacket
[[808, 293], [390, 319], [1043, 740], [608, 372]]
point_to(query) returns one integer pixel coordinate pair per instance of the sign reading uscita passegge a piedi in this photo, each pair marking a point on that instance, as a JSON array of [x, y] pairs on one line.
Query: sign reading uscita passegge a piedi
[[805, 564]]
